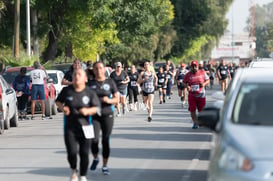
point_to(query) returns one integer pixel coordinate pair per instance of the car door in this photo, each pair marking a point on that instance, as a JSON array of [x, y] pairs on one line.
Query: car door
[[9, 97]]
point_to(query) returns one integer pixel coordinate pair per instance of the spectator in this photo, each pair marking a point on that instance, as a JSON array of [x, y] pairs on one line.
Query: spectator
[[21, 86], [38, 76]]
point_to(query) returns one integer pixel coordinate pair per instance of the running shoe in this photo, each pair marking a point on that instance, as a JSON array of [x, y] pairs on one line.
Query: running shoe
[[105, 171], [149, 119], [94, 164], [160, 102], [83, 178], [25, 118], [194, 126], [118, 114], [32, 117], [164, 101], [74, 176]]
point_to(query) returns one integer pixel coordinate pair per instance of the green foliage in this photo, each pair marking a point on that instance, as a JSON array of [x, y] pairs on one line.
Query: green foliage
[[263, 30], [195, 19]]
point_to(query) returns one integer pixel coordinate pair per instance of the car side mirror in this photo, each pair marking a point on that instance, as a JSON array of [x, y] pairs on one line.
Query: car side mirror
[[209, 117], [50, 80], [9, 91]]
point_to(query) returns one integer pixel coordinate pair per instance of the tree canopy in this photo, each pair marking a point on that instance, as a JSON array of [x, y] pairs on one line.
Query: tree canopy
[[124, 30]]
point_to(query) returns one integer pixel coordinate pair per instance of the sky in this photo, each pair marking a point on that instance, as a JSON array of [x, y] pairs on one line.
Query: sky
[[241, 13]]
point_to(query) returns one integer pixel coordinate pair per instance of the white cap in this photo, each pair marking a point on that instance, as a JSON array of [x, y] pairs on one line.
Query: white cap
[[201, 62]]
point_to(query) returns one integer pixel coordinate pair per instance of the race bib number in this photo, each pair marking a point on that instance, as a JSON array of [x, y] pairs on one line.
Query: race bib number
[[161, 80], [88, 131], [195, 88], [181, 80], [223, 72], [133, 83], [36, 75], [168, 76]]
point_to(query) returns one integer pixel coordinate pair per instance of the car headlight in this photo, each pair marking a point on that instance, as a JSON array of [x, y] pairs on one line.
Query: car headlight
[[232, 159]]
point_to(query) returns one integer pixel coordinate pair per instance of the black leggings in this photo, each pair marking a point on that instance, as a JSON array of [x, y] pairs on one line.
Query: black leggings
[[22, 103], [105, 124], [72, 139], [133, 92]]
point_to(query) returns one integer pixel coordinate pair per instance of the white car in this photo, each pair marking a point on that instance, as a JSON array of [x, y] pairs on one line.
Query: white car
[[9, 111], [261, 64], [56, 76]]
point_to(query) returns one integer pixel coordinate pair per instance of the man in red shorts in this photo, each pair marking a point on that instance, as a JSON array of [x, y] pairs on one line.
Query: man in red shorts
[[196, 81]]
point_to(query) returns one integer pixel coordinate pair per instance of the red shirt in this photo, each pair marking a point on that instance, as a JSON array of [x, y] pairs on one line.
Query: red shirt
[[195, 81]]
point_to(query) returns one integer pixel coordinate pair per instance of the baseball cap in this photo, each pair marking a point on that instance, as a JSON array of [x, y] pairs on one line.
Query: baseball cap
[[201, 62], [194, 62], [182, 65], [118, 64]]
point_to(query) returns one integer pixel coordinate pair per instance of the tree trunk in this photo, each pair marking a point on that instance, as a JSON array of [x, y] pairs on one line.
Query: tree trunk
[[16, 29], [68, 51], [51, 50], [34, 18]]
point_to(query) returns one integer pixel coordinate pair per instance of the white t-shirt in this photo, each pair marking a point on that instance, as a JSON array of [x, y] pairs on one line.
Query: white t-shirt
[[37, 76]]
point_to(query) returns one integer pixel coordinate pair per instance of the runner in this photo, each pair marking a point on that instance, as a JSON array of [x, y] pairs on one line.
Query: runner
[[170, 76], [232, 70], [109, 96], [223, 74], [21, 86], [211, 74], [133, 88], [148, 80], [38, 77], [67, 79], [162, 85], [195, 81], [180, 74], [78, 103], [121, 79]]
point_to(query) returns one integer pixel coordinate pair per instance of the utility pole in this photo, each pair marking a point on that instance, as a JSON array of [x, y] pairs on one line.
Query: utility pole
[[28, 29], [16, 29]]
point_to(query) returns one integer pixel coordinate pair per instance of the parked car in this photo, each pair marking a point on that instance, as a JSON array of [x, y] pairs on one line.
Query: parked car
[[8, 106], [261, 64], [56, 76], [50, 91], [242, 129]]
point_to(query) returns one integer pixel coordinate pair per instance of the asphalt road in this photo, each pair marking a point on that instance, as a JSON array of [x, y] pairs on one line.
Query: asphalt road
[[164, 149]]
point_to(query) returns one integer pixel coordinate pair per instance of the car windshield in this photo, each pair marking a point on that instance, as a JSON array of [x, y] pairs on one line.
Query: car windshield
[[253, 104], [54, 77], [10, 76]]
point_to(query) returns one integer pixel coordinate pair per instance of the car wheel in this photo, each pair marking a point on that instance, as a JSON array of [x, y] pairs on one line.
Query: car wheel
[[14, 119], [7, 121], [48, 106], [2, 126], [54, 108]]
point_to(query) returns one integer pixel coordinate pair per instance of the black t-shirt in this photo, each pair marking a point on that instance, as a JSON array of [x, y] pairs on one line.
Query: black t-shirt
[[133, 79], [161, 78], [119, 79], [75, 101], [68, 75], [223, 69], [106, 88], [232, 71]]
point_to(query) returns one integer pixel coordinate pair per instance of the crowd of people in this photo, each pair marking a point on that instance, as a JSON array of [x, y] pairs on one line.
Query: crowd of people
[[91, 99]]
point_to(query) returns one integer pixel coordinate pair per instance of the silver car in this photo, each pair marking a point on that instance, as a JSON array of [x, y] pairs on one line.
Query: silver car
[[243, 127]]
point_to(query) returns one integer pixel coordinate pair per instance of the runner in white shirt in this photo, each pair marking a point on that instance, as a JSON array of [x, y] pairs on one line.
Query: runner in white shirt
[[38, 77]]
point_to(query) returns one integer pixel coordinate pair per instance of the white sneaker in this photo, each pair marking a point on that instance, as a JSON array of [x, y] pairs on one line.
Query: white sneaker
[[74, 177], [83, 178]]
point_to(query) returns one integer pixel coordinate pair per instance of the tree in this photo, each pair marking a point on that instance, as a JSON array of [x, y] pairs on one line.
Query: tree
[[263, 30], [196, 21]]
